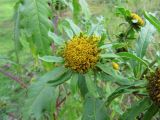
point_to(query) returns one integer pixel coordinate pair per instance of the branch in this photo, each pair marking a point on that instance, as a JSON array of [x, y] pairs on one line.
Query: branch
[[58, 104], [15, 78], [62, 101]]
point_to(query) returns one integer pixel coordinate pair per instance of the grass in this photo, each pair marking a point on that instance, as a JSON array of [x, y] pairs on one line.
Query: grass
[[6, 43], [7, 86], [6, 25]]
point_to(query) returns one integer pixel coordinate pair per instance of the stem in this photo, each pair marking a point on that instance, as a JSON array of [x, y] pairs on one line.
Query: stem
[[16, 38], [58, 105], [15, 78], [146, 70], [127, 32]]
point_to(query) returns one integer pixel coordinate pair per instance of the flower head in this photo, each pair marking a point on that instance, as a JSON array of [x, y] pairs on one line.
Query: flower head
[[81, 53], [154, 87], [136, 19]]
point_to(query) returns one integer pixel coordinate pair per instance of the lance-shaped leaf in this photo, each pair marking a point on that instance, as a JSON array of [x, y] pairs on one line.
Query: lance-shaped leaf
[[146, 35], [57, 39], [61, 77], [82, 85], [51, 59], [133, 57], [109, 74], [35, 22], [74, 27], [109, 55], [85, 8], [153, 20], [94, 109]]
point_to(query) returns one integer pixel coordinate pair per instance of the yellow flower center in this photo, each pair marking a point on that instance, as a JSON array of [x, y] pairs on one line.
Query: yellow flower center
[[136, 17], [81, 53]]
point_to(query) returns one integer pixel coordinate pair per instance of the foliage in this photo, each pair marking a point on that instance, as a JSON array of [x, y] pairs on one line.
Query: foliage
[[77, 71]]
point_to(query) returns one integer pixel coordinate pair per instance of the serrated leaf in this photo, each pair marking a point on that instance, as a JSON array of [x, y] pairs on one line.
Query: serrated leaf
[[136, 109], [41, 96], [36, 24], [94, 109], [51, 59]]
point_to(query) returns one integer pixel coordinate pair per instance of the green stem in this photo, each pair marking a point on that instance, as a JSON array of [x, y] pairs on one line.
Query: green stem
[[146, 70], [127, 32]]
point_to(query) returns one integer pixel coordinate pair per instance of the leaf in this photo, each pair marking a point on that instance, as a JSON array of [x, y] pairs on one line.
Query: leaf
[[82, 85], [98, 28], [51, 59], [153, 20], [16, 38], [136, 109], [106, 68], [57, 39], [122, 11], [68, 31], [119, 91], [61, 78], [151, 112], [110, 75], [41, 96], [91, 85], [74, 83], [76, 10], [109, 55], [94, 109], [146, 35], [36, 24], [74, 27], [85, 8], [133, 57]]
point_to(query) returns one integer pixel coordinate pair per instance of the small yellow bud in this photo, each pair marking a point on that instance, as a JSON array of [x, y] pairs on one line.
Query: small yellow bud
[[115, 66], [140, 21]]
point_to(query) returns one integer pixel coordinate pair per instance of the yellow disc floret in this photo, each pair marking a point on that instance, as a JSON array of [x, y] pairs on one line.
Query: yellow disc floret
[[136, 17], [81, 53]]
